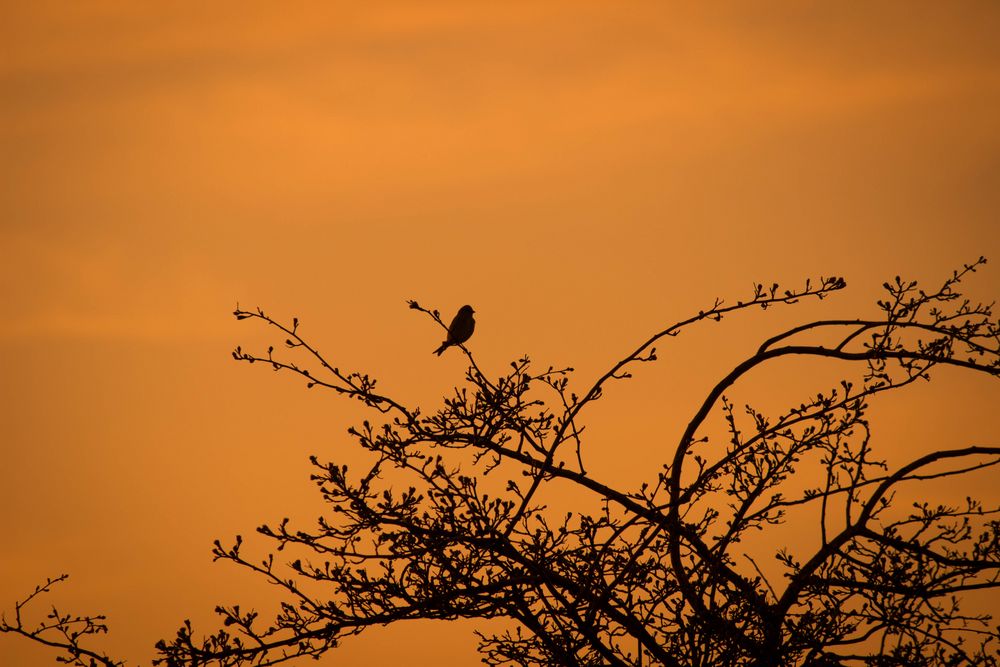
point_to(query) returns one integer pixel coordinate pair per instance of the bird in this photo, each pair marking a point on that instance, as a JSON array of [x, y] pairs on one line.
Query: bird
[[460, 330]]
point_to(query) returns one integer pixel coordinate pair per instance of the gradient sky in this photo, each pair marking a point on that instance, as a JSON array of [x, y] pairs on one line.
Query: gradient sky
[[581, 172]]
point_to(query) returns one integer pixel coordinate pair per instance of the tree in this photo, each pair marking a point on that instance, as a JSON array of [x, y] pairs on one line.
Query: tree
[[655, 574]]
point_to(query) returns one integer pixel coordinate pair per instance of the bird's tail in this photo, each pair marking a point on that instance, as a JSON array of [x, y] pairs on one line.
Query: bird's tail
[[444, 346]]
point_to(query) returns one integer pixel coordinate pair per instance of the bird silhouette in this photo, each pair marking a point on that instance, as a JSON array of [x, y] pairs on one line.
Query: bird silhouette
[[460, 330]]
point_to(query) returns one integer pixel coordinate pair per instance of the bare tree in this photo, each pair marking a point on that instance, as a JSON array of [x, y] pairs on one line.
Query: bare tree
[[656, 574]]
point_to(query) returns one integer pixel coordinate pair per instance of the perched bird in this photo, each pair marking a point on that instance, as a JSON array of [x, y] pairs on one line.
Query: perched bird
[[460, 330]]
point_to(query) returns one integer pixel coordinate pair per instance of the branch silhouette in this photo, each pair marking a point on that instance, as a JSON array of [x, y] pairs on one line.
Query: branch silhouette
[[448, 520], [64, 632]]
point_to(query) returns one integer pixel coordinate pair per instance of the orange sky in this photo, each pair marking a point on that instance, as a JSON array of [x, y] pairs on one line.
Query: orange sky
[[581, 172]]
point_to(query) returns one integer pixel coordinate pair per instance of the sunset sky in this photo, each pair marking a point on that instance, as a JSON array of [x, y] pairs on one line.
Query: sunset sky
[[582, 173]]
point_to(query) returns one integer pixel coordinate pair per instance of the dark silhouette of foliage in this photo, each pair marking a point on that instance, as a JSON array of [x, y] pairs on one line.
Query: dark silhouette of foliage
[[655, 574]]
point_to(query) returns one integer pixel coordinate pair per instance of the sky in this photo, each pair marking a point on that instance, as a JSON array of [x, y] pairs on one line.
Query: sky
[[582, 173]]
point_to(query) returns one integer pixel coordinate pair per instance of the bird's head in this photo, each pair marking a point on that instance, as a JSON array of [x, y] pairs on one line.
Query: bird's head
[[465, 310]]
